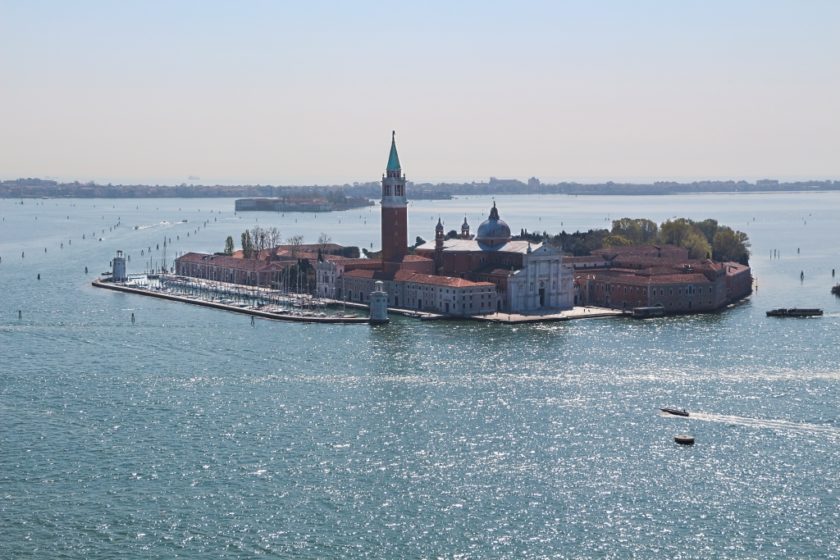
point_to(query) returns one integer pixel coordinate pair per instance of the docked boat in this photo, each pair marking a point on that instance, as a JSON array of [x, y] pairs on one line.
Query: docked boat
[[795, 312], [646, 312], [674, 411]]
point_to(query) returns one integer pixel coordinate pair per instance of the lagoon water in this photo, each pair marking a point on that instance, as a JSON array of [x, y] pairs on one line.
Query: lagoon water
[[193, 434]]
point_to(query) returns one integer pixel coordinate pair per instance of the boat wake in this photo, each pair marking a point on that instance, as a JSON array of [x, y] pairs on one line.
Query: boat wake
[[803, 428]]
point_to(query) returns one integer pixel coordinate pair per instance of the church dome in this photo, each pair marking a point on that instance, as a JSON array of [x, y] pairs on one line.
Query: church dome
[[493, 230]]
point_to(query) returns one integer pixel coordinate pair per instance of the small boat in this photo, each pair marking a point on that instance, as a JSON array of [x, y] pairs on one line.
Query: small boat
[[835, 289], [674, 411], [684, 439], [795, 312]]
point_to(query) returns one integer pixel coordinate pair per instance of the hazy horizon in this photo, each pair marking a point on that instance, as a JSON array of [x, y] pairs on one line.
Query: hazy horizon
[[294, 94], [175, 182]]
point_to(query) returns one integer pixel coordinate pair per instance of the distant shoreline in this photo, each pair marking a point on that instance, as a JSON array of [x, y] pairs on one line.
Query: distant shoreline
[[41, 188]]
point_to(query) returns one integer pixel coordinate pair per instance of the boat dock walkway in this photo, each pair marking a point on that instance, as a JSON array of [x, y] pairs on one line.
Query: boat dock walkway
[[423, 315], [233, 308], [551, 315], [500, 317]]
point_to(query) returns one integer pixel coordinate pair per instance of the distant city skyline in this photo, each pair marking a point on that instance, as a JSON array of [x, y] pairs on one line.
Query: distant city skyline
[[308, 93]]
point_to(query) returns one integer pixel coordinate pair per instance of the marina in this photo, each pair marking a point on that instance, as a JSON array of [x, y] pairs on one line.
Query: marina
[[261, 303]]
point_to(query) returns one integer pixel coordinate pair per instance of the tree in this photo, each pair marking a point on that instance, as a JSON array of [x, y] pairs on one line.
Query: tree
[[698, 247], [617, 241], [708, 228], [247, 244], [637, 231], [674, 232], [323, 239], [229, 246], [273, 238], [295, 242], [685, 233], [259, 239], [730, 245], [579, 243]]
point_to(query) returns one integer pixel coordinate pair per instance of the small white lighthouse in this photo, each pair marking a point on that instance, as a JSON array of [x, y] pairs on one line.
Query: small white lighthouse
[[378, 304], [118, 268]]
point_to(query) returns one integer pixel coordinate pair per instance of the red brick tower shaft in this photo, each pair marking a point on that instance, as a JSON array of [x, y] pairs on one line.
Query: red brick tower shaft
[[394, 233]]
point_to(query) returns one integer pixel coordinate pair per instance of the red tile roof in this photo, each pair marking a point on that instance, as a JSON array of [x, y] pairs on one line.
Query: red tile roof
[[414, 258], [366, 264], [325, 248], [369, 273], [338, 259], [232, 263], [733, 268], [431, 279], [584, 259], [630, 278]]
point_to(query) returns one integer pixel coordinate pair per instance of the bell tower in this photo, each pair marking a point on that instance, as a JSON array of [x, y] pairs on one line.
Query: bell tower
[[439, 239], [394, 209]]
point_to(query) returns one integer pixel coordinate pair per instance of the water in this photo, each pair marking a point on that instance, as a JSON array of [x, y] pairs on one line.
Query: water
[[191, 433]]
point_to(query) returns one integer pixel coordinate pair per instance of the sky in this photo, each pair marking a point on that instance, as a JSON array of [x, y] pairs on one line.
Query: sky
[[259, 92]]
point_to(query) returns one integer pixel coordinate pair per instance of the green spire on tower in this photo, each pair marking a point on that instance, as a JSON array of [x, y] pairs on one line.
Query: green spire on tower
[[393, 158]]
